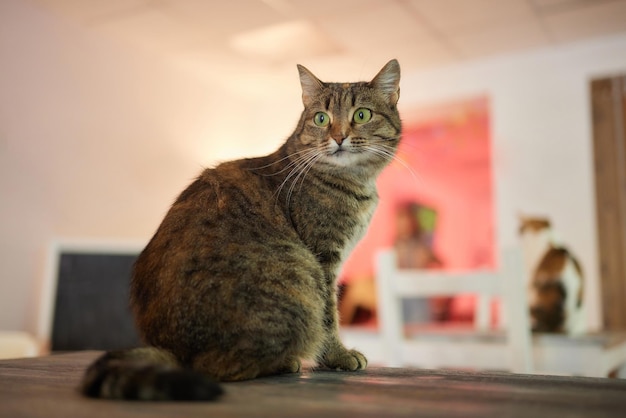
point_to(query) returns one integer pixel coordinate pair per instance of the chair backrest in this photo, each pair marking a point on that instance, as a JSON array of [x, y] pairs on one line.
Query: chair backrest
[[394, 284], [84, 300]]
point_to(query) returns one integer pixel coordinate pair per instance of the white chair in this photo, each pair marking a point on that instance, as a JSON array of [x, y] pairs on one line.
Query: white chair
[[600, 354], [480, 347], [510, 347]]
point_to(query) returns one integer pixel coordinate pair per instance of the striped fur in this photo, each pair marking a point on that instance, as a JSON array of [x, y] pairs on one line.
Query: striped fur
[[239, 280]]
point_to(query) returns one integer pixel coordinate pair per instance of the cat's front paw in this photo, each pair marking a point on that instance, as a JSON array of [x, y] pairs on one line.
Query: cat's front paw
[[292, 365], [349, 360]]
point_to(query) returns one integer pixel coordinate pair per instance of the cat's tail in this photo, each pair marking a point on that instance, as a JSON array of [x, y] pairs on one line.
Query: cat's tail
[[147, 374]]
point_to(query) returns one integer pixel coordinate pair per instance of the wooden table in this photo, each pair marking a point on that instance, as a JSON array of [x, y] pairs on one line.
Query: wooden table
[[46, 387]]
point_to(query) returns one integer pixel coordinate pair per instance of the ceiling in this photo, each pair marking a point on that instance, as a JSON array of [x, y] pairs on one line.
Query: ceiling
[[225, 41]]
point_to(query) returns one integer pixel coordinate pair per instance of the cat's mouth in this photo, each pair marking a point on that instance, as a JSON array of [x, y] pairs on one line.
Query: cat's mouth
[[341, 150], [343, 156], [344, 153]]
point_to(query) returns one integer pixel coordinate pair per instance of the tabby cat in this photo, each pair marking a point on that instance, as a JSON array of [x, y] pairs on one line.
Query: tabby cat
[[239, 281], [556, 280]]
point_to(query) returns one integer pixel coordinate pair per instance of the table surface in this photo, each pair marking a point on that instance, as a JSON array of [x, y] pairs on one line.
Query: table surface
[[47, 387]]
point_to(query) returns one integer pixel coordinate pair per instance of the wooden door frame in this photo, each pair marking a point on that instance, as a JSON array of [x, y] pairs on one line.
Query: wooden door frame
[[608, 100]]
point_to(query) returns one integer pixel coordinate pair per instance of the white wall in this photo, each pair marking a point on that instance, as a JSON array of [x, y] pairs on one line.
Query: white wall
[[542, 137], [96, 140]]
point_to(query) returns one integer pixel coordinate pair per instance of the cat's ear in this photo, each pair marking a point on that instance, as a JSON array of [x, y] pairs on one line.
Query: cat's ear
[[311, 85], [387, 81]]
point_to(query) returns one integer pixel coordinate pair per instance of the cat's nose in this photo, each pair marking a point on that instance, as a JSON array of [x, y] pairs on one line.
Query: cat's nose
[[338, 136], [339, 139], [337, 132]]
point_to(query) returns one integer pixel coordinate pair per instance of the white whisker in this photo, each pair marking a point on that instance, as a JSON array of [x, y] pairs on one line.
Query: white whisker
[[388, 152], [303, 163], [281, 160], [302, 174]]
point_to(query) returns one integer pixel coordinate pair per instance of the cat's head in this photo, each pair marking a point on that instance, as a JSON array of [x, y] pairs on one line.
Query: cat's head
[[535, 234], [349, 125], [533, 225]]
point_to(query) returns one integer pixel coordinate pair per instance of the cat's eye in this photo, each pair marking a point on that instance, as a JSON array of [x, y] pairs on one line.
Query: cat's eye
[[362, 115], [321, 119]]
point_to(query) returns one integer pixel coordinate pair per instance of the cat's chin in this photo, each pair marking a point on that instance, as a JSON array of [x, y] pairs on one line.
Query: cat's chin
[[344, 158]]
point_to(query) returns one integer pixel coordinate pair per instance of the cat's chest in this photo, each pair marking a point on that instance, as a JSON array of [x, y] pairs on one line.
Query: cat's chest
[[332, 231], [331, 218], [359, 230]]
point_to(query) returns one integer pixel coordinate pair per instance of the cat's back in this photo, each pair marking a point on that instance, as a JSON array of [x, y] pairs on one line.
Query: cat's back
[[224, 198], [222, 230], [226, 210]]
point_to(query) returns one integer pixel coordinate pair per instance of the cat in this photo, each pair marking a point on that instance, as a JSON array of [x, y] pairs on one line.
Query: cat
[[556, 281], [239, 280]]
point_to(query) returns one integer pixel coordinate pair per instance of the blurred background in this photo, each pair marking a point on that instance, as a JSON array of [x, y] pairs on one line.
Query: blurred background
[[108, 109]]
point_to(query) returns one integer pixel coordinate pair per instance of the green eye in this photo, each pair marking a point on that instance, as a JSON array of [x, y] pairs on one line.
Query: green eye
[[362, 115], [321, 119]]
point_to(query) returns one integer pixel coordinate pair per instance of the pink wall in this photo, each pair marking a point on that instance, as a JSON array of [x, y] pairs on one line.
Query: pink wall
[[445, 163]]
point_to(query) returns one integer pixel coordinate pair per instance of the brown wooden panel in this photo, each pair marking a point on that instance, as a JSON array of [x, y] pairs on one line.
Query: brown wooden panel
[[609, 117]]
